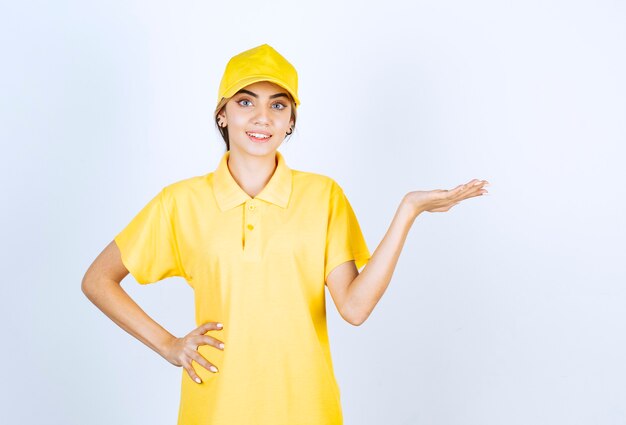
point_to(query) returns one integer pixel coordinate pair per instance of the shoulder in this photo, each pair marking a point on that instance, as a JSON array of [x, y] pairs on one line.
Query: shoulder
[[317, 188], [315, 181], [184, 189]]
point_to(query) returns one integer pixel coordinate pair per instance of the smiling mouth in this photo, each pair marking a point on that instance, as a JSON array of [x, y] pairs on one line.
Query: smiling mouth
[[258, 137]]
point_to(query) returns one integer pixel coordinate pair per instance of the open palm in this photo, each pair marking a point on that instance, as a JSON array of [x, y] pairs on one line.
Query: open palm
[[441, 200]]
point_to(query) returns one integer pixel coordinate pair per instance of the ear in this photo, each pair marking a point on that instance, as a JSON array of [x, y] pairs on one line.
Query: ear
[[221, 118]]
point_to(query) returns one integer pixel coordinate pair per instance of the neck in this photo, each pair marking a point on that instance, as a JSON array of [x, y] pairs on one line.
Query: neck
[[251, 172]]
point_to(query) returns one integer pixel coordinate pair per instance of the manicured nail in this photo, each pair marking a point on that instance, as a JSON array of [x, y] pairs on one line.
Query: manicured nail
[[219, 325], [198, 380], [213, 369], [222, 346]]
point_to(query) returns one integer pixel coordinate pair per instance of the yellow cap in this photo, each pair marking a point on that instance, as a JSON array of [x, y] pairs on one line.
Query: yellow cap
[[261, 63]]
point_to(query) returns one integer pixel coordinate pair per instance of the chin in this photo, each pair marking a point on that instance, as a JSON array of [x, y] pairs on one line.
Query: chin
[[260, 149]]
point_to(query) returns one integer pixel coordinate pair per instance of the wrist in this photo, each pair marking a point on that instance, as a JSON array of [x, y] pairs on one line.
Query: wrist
[[410, 208], [162, 346]]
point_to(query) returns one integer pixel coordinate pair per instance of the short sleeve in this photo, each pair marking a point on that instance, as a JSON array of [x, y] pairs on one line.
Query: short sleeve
[[148, 245], [344, 239]]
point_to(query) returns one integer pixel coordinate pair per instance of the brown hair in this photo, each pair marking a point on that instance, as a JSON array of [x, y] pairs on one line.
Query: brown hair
[[224, 130]]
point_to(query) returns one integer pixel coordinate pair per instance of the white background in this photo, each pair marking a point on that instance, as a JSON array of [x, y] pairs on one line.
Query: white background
[[508, 309]]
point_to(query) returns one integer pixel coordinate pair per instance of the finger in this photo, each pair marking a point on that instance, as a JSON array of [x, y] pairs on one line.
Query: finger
[[208, 326], [478, 188], [474, 186], [464, 187], [473, 183], [192, 373], [460, 192], [198, 358], [475, 194], [468, 193], [196, 341], [459, 188], [480, 183], [209, 340]]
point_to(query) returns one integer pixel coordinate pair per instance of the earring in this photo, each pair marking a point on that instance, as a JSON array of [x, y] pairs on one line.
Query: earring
[[291, 131]]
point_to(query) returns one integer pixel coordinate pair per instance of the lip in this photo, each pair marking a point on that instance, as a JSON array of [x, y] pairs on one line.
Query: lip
[[260, 132], [255, 140]]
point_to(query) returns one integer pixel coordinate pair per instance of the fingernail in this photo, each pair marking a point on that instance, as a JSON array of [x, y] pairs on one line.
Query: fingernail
[[213, 369], [477, 183], [219, 325], [222, 346], [198, 380]]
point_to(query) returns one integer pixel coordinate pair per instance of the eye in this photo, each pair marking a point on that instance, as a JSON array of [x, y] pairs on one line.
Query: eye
[[283, 106], [243, 100]]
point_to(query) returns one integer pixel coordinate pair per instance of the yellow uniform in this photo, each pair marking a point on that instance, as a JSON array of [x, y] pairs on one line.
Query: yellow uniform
[[257, 265]]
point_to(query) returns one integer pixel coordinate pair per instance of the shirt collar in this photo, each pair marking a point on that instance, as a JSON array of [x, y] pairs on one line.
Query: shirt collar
[[229, 194]]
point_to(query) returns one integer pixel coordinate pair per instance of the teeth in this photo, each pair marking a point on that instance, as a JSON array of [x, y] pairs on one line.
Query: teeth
[[259, 136]]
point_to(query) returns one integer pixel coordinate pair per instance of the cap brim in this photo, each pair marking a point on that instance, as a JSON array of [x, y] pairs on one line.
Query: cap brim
[[256, 78]]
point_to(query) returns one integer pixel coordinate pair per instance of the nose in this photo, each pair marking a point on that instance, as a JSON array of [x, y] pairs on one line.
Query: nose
[[262, 117]]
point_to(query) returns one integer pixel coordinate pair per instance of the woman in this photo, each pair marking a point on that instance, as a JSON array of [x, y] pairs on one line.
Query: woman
[[257, 241]]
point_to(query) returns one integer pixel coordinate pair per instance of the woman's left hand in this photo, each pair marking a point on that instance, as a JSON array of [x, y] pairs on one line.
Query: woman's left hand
[[440, 200]]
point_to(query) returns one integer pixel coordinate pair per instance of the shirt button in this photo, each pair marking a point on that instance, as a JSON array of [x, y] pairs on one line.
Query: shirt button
[[250, 226], [251, 207]]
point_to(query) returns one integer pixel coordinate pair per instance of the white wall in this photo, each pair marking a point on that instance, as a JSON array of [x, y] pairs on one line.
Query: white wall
[[506, 309]]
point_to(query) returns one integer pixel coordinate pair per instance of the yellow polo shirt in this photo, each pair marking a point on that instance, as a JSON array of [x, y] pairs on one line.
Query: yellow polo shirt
[[259, 266]]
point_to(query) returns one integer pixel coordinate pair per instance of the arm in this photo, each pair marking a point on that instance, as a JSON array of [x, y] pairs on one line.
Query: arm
[[101, 284], [356, 294]]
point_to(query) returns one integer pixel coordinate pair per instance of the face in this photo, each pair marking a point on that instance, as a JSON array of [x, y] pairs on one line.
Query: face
[[262, 107]]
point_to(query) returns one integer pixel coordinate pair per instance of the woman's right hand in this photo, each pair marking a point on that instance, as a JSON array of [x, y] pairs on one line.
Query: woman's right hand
[[181, 351]]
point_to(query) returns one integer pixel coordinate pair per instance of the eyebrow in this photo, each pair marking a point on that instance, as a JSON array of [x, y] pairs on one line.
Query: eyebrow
[[256, 95]]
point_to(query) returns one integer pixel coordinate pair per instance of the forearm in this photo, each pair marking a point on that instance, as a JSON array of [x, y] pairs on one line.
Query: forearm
[[369, 286], [109, 296]]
